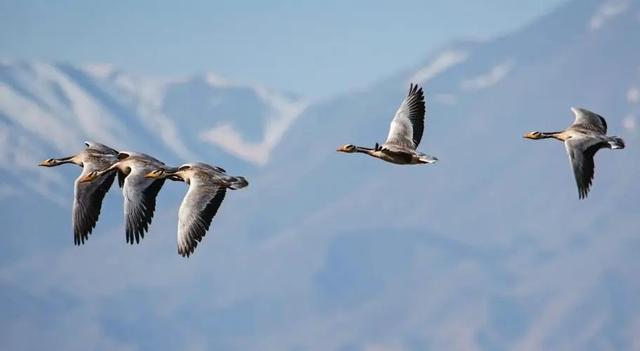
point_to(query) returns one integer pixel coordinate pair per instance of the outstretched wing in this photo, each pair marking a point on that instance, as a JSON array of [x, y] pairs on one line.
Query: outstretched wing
[[139, 204], [407, 125], [581, 151], [87, 202], [100, 148], [198, 208], [589, 120]]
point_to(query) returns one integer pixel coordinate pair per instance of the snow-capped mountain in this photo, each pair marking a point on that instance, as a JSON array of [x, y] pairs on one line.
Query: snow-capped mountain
[[61, 104], [50, 109], [489, 249]]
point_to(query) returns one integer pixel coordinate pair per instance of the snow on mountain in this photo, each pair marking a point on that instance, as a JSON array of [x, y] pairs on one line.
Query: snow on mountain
[[284, 111], [53, 108], [493, 76], [439, 64], [608, 11], [633, 95], [102, 103]]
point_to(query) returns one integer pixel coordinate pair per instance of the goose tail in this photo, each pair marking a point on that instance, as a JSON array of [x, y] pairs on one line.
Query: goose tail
[[616, 142], [237, 182], [427, 159]]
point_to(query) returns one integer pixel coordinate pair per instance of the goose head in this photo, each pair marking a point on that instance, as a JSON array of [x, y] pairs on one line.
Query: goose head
[[533, 135], [48, 163], [349, 148]]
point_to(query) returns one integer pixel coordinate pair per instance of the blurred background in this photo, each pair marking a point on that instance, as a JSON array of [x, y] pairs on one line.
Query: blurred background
[[490, 249]]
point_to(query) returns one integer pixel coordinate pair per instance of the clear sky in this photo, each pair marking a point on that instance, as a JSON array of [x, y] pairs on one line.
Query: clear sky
[[312, 48]]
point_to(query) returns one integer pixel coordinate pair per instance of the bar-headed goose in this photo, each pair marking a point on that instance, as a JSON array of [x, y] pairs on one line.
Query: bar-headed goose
[[139, 192], [207, 188], [583, 139], [404, 136], [87, 199]]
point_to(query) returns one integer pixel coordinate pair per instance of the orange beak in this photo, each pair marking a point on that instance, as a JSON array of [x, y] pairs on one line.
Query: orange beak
[[88, 178]]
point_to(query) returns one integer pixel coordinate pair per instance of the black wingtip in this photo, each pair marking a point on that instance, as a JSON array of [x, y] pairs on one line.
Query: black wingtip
[[414, 88], [582, 193], [184, 253]]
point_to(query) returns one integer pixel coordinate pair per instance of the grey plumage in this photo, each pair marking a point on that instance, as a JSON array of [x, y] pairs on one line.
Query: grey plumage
[[139, 192], [207, 189], [582, 141], [88, 197], [588, 135], [405, 133]]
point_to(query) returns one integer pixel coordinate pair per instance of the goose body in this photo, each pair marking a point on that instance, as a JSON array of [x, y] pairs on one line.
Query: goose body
[[88, 197], [405, 134], [139, 192], [586, 136], [207, 189]]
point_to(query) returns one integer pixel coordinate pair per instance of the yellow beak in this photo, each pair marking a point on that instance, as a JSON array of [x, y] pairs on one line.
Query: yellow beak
[[89, 177], [46, 163]]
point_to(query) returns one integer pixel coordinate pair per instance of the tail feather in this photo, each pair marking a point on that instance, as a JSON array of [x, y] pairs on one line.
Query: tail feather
[[237, 182], [427, 159], [616, 142]]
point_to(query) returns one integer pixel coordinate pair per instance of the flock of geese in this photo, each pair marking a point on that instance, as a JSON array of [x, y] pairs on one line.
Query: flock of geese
[[141, 176]]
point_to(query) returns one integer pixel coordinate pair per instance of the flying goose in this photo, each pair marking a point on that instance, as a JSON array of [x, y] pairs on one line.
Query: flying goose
[[139, 192], [207, 188], [404, 136], [583, 139], [87, 199]]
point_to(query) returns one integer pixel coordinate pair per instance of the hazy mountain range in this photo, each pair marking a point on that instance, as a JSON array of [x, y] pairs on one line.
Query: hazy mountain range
[[489, 249]]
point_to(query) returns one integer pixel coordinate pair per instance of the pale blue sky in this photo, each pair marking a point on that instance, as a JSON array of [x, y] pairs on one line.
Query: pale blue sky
[[315, 49]]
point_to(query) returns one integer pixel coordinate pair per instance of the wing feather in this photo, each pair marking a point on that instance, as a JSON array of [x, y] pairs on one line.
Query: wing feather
[[588, 120], [407, 125], [581, 152], [87, 203], [196, 213], [139, 204]]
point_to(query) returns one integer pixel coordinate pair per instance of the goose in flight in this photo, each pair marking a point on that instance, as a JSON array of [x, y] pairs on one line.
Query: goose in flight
[[404, 136], [139, 192], [207, 188], [87, 199], [582, 140]]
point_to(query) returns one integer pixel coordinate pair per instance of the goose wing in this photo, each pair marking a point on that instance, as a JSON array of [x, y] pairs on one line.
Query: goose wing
[[407, 125], [588, 120], [100, 148], [581, 151], [87, 202], [139, 204], [121, 177], [198, 208]]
